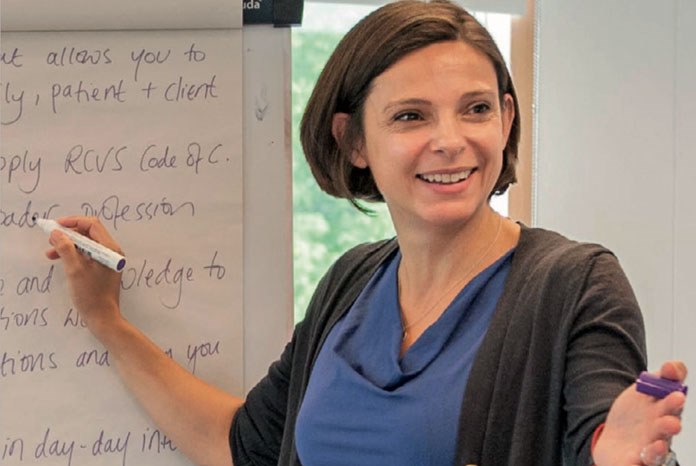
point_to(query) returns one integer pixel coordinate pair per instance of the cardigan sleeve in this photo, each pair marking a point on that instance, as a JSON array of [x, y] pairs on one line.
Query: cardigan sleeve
[[606, 351], [566, 339], [257, 428]]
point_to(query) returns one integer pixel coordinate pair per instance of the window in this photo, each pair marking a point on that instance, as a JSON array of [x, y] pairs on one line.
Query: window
[[325, 227]]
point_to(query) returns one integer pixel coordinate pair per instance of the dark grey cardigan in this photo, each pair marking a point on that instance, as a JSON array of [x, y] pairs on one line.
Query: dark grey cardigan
[[566, 338]]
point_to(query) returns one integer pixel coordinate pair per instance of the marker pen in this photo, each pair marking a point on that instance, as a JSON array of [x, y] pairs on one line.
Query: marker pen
[[658, 387], [87, 246]]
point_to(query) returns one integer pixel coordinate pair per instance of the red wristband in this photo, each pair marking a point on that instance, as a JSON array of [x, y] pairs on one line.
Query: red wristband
[[595, 437]]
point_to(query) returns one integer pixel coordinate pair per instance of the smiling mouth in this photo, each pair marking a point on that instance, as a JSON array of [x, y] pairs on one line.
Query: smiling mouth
[[446, 178]]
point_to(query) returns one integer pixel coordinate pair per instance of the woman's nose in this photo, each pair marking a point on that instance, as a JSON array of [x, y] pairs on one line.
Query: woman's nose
[[448, 137]]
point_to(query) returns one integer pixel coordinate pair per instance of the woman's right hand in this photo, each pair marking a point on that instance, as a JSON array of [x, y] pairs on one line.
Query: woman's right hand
[[94, 288], [158, 382]]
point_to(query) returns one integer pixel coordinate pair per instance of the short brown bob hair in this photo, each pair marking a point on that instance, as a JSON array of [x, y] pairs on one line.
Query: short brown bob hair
[[374, 44]]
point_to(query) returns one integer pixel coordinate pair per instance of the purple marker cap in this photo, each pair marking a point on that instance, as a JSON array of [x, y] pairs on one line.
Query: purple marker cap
[[658, 387]]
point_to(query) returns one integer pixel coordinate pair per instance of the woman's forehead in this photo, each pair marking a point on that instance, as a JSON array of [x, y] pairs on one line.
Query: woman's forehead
[[429, 69]]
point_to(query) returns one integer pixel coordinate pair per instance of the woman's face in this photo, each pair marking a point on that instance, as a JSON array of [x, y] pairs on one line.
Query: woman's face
[[434, 134]]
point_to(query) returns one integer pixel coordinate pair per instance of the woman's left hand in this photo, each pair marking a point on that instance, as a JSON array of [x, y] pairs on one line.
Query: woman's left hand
[[639, 428]]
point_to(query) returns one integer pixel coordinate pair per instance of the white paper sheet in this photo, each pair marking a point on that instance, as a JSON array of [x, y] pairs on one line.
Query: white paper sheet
[[144, 130]]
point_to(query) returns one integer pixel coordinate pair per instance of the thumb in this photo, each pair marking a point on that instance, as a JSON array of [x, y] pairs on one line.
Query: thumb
[[674, 370]]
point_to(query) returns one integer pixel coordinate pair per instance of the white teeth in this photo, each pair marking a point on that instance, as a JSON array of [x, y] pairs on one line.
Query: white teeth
[[446, 178]]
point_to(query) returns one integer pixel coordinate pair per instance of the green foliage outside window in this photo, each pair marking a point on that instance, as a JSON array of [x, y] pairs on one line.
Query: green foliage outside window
[[323, 227]]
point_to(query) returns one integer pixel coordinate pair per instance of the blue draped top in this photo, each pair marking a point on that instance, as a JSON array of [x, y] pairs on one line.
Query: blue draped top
[[366, 405]]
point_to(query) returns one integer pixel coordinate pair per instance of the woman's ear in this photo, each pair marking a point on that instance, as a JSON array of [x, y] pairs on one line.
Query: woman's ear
[[508, 115], [338, 130]]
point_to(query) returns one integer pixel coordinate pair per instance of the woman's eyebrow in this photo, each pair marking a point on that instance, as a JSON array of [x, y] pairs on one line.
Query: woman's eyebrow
[[404, 102]]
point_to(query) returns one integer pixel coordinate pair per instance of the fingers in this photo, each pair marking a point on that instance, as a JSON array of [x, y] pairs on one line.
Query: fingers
[[667, 426], [62, 245], [92, 228], [674, 403], [666, 413]]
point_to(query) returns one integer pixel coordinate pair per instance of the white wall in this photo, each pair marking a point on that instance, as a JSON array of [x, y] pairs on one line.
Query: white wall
[[616, 143]]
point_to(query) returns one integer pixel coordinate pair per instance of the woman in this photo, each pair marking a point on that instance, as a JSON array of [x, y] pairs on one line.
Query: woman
[[468, 339]]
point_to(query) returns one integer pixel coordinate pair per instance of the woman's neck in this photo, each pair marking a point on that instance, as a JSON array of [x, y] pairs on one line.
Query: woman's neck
[[431, 257]]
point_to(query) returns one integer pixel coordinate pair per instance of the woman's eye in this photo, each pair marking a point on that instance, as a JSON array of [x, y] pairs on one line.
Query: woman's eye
[[407, 116], [480, 108]]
